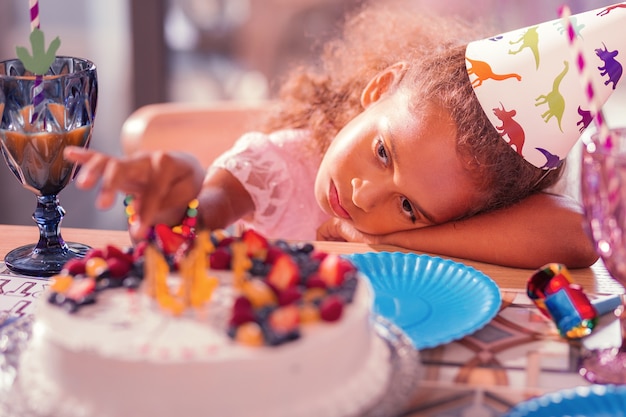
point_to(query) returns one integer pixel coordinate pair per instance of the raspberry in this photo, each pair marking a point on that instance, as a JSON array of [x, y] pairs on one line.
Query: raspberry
[[242, 312], [118, 267], [289, 296], [114, 252], [220, 258], [74, 267], [331, 308]]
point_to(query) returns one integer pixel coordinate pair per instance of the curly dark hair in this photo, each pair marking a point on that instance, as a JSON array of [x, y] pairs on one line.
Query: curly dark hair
[[325, 96]]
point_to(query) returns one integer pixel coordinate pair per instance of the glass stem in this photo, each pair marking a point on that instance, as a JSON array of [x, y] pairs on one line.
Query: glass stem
[[620, 313], [48, 216]]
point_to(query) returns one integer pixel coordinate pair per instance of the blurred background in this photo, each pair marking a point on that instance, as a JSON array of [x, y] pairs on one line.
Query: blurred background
[[150, 51]]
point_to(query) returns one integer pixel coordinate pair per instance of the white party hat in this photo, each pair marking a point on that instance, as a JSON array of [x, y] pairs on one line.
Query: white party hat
[[529, 85]]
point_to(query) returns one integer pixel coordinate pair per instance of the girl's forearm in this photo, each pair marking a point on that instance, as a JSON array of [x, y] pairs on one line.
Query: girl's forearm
[[547, 228], [223, 200]]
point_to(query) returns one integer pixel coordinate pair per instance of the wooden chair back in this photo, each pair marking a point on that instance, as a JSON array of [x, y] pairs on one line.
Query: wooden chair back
[[205, 130]]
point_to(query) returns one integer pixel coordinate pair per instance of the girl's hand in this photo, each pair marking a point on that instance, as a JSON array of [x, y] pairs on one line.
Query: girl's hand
[[339, 230], [162, 184]]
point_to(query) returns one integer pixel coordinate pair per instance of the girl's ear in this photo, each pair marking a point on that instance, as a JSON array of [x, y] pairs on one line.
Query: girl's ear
[[383, 82]]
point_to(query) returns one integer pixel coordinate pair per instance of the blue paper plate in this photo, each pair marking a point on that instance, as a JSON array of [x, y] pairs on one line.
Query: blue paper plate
[[433, 300], [588, 401]]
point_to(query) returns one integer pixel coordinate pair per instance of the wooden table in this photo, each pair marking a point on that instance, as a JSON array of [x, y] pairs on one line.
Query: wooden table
[[518, 355], [594, 279]]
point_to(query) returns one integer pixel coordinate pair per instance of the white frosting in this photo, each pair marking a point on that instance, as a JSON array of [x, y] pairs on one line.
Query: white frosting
[[122, 356]]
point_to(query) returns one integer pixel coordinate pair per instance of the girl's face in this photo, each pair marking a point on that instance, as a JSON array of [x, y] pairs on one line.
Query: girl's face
[[389, 170]]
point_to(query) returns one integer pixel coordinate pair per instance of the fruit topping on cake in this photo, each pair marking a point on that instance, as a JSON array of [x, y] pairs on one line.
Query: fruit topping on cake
[[278, 286]]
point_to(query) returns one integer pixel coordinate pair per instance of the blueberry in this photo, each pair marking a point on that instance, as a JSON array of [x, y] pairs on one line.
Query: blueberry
[[70, 305], [308, 267], [131, 281], [56, 298], [273, 338], [231, 331], [304, 247], [88, 299], [259, 268], [263, 313], [283, 245], [347, 289]]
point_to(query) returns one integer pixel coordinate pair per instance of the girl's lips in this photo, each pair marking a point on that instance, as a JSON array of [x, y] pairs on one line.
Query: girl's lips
[[335, 204]]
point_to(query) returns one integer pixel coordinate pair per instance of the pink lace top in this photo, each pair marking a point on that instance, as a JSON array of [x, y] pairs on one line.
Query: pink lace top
[[278, 170]]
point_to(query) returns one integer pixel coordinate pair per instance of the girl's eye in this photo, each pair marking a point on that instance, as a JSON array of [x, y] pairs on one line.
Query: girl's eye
[[408, 209], [381, 152]]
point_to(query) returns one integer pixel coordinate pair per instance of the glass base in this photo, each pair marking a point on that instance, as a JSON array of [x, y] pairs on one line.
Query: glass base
[[28, 260], [604, 366]]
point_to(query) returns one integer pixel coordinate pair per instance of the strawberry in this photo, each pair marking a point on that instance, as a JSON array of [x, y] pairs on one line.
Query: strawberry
[[284, 273], [334, 270], [331, 308], [168, 240], [80, 289], [257, 245]]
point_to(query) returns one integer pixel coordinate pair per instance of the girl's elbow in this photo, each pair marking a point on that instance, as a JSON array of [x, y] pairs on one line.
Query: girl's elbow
[[581, 257]]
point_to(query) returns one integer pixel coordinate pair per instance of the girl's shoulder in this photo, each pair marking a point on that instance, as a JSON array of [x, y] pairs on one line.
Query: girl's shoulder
[[254, 147], [286, 139]]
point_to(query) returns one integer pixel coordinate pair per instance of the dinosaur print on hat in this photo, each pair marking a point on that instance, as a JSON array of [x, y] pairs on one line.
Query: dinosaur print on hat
[[528, 85]]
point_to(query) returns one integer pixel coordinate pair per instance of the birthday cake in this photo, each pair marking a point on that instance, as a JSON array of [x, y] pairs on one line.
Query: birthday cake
[[219, 327]]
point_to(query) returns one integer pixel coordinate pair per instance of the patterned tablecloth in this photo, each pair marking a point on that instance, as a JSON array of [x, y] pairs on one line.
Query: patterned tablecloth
[[517, 356], [18, 293]]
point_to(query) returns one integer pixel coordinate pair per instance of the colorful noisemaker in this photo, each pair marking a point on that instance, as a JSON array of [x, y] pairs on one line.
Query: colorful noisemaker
[[552, 290]]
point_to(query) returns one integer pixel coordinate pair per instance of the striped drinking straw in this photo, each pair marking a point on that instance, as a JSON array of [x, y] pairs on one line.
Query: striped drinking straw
[[38, 94], [594, 106]]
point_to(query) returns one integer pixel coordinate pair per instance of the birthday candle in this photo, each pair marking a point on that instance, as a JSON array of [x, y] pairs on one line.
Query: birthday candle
[[38, 95], [594, 106]]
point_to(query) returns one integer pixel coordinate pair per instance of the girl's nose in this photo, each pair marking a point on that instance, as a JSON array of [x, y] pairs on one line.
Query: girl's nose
[[364, 194]]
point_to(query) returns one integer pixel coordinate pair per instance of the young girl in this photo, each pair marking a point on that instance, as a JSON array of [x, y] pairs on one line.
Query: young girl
[[385, 143]]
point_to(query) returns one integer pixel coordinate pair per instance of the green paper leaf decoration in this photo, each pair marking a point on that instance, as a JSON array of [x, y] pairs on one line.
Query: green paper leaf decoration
[[39, 62]]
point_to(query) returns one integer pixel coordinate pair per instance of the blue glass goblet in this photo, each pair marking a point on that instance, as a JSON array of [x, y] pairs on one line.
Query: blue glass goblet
[[33, 139]]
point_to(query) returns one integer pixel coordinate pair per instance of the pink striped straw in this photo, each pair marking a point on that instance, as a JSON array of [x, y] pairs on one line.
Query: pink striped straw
[[594, 106], [38, 95]]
